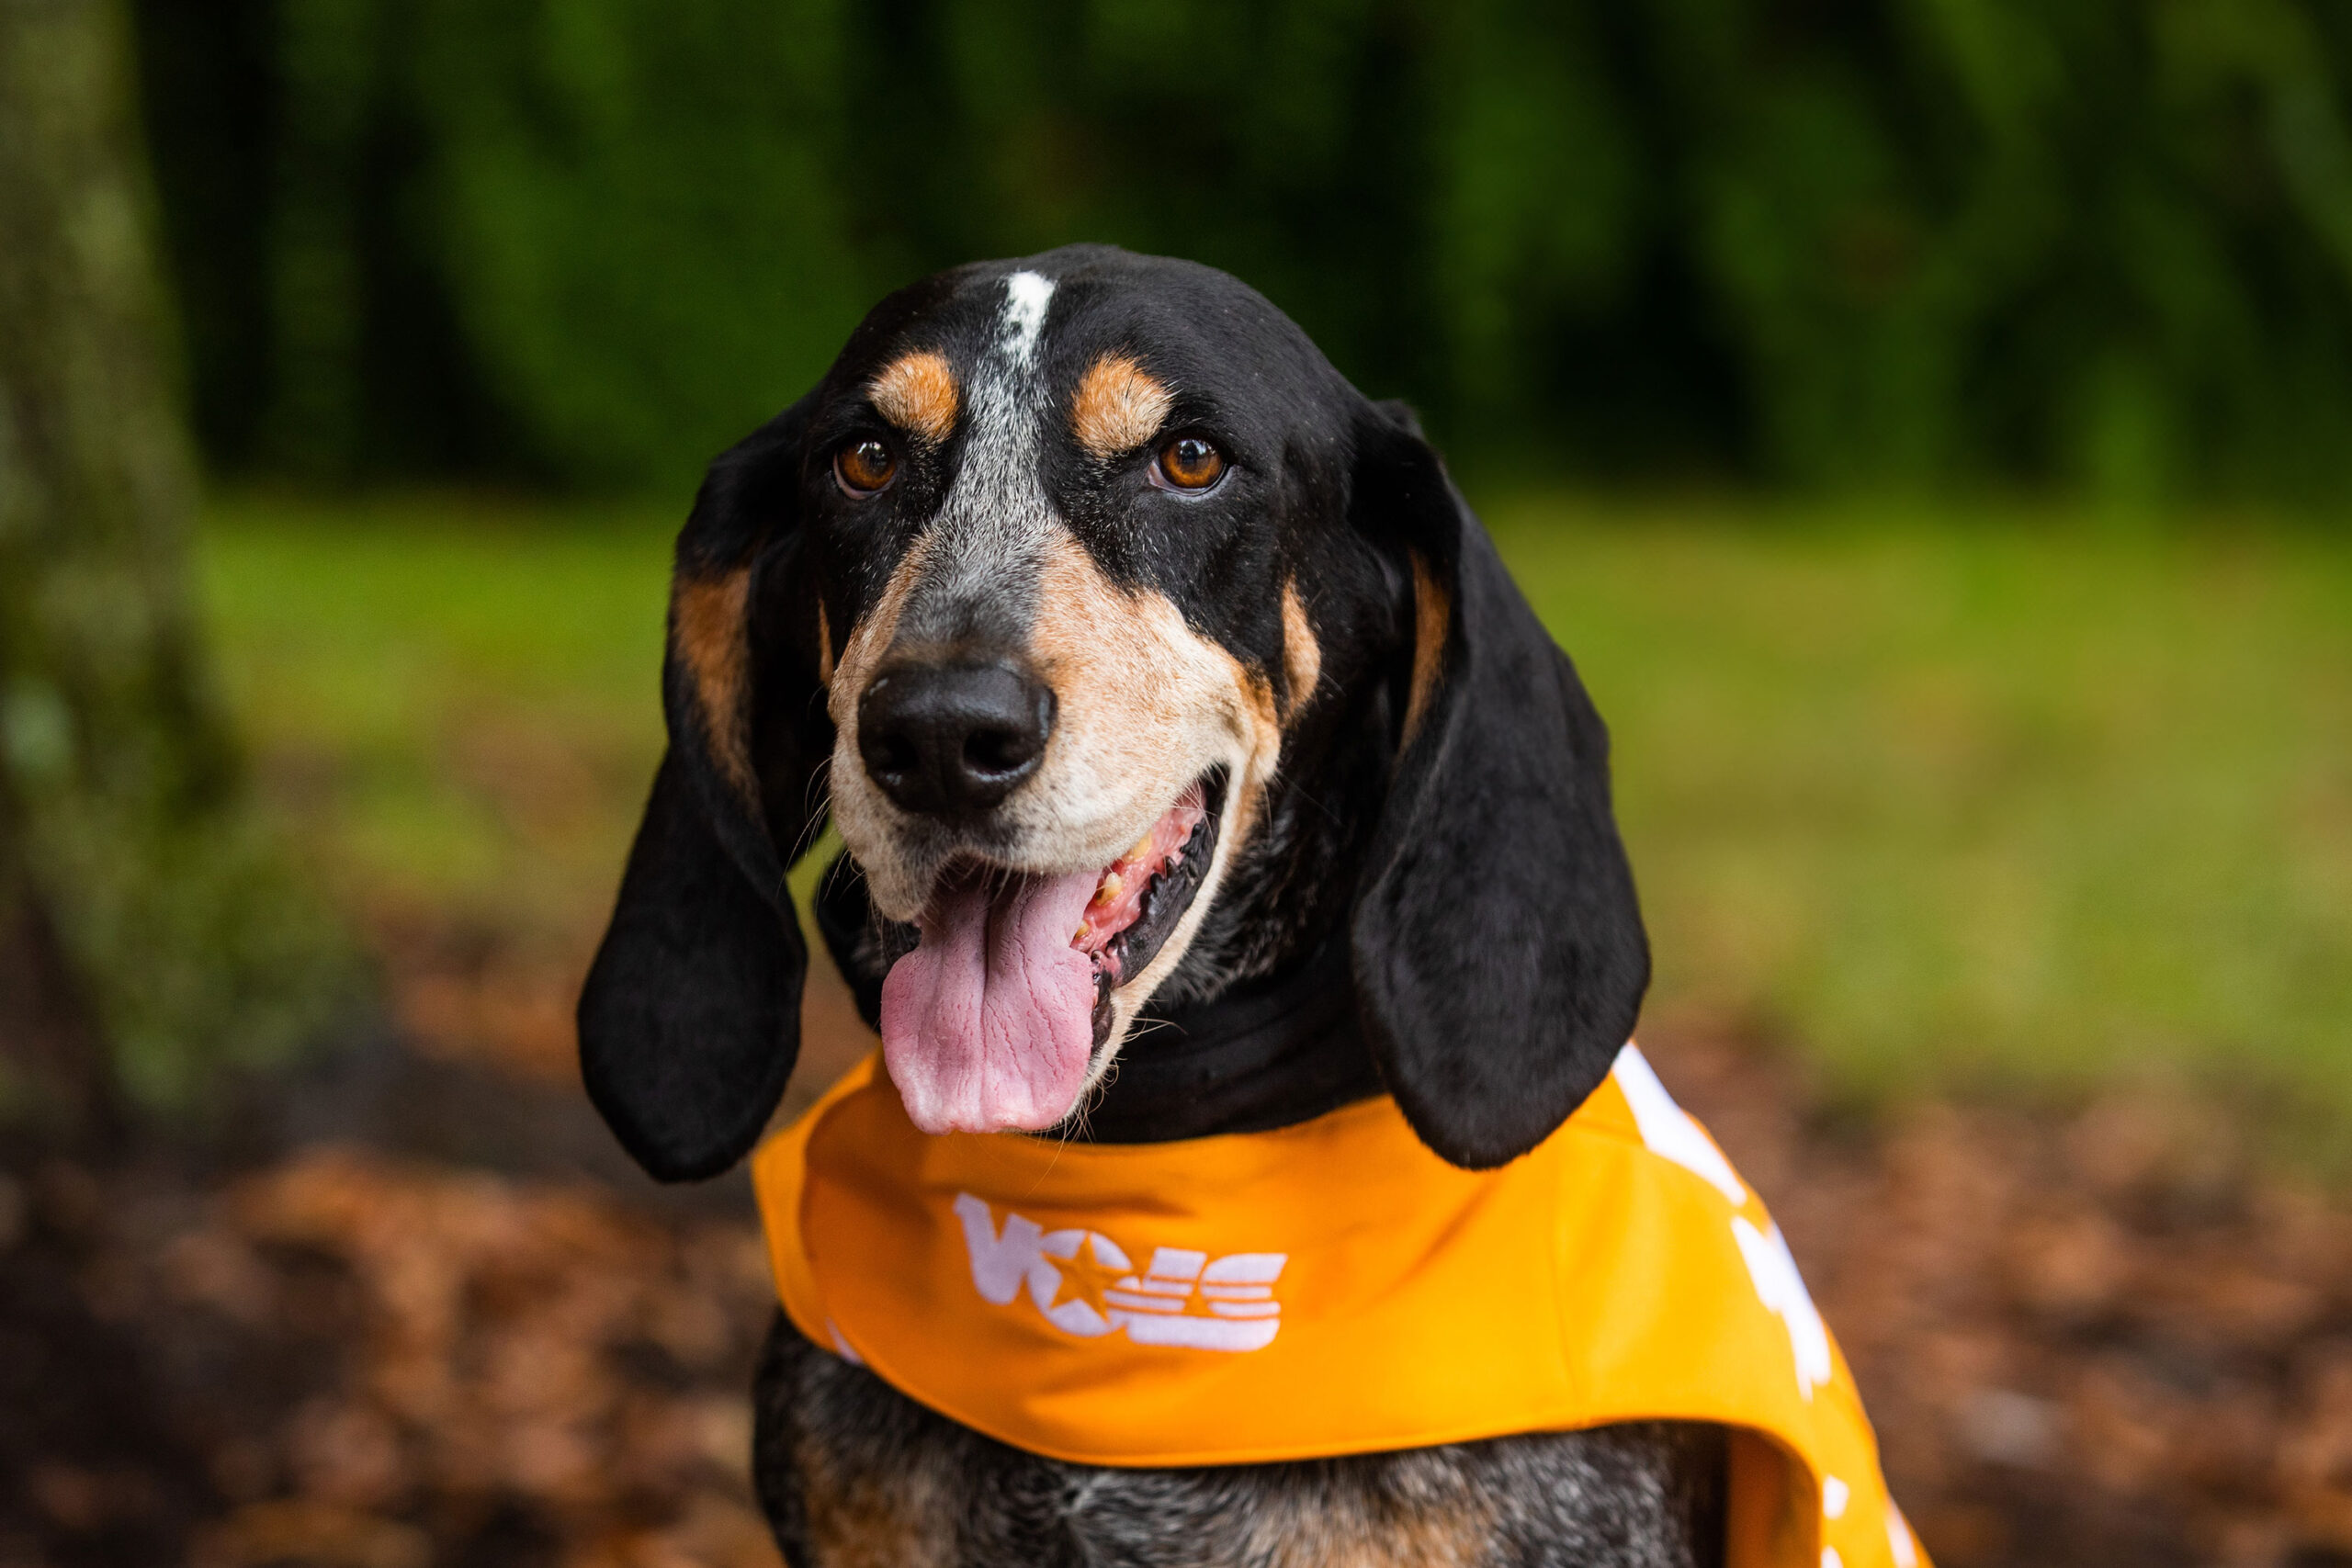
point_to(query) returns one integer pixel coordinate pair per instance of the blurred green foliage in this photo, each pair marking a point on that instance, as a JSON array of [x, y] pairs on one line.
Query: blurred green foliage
[[151, 932], [2097, 242]]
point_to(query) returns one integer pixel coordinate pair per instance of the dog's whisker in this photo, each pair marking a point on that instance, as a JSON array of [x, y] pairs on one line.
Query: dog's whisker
[[812, 827]]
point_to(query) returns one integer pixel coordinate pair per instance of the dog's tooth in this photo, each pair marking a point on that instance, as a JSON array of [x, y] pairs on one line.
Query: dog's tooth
[[1113, 885], [1142, 846]]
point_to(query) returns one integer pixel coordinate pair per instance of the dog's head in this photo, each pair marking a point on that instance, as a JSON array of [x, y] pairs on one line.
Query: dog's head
[[1133, 653]]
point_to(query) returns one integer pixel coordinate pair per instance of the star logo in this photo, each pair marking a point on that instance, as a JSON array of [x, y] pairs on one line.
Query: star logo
[[1084, 1279]]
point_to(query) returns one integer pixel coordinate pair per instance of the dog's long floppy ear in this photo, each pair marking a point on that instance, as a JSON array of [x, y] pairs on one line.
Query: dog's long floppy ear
[[690, 1020], [1499, 955]]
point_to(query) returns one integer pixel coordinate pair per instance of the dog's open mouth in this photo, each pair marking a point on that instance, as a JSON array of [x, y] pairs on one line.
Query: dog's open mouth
[[993, 1020]]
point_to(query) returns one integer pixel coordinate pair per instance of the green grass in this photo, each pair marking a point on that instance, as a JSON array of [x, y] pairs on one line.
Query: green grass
[[1938, 798], [457, 704], [1990, 799]]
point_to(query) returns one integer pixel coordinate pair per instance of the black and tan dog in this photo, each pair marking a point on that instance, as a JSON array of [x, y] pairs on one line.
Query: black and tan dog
[[1087, 597]]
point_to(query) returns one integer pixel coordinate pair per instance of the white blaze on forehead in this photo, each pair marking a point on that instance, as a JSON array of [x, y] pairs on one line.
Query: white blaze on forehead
[[989, 528], [1025, 297]]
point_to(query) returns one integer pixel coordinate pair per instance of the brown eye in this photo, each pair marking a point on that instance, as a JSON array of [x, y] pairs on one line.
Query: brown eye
[[1190, 463], [864, 466]]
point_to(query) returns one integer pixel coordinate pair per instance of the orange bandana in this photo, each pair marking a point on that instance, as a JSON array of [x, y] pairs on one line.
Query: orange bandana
[[1330, 1288]]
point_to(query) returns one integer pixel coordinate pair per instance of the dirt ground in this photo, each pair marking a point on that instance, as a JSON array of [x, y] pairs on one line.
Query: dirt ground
[[416, 1312]]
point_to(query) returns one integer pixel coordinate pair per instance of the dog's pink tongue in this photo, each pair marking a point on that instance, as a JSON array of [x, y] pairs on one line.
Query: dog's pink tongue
[[990, 1021]]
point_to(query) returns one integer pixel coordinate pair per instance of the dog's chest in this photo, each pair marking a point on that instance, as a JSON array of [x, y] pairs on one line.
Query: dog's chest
[[852, 1473]]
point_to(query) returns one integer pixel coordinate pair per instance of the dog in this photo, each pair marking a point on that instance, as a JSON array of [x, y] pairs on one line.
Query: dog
[[1083, 594]]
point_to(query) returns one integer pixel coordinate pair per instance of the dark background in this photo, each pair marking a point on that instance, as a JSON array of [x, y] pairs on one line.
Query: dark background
[[2088, 243]]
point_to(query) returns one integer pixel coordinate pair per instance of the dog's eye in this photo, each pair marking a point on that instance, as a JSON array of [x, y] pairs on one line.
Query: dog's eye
[[865, 465], [1190, 463]]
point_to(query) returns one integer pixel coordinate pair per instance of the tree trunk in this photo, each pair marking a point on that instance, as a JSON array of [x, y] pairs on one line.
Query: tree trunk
[[148, 934]]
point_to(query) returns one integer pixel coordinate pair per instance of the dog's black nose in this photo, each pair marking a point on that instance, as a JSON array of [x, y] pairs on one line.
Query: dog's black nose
[[955, 739]]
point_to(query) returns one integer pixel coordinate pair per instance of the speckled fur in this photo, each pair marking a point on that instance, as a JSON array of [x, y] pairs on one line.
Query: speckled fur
[[853, 1472]]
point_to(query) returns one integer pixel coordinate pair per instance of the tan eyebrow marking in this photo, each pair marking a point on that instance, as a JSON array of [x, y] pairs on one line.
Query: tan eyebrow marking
[[1431, 613], [916, 393], [707, 618], [1302, 655], [1119, 406]]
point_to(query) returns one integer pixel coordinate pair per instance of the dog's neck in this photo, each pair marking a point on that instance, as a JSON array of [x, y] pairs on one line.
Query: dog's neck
[[1259, 1056]]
